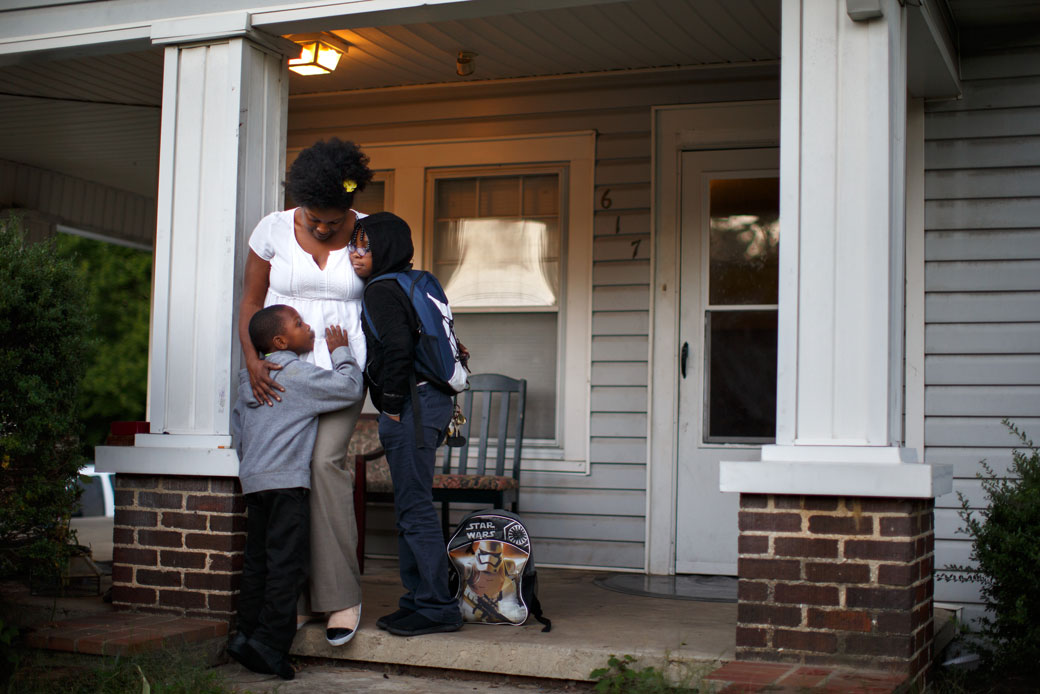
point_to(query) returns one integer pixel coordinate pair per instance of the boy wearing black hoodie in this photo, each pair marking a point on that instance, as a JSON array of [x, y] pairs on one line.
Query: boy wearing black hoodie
[[382, 243]]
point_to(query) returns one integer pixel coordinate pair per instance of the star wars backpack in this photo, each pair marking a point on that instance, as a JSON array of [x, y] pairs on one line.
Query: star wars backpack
[[492, 569]]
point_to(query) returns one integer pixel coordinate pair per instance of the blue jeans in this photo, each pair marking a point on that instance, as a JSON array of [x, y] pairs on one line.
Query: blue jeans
[[420, 544]]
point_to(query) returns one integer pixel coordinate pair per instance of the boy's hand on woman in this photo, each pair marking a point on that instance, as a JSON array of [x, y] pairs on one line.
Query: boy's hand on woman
[[335, 337]]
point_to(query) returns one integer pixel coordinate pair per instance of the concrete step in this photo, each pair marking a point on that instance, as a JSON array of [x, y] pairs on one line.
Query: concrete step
[[684, 638]]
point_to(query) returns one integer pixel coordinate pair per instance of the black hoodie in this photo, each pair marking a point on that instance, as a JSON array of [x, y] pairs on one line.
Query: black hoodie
[[391, 358]]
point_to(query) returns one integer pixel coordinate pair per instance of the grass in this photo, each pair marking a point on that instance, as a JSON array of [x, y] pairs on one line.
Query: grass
[[623, 676], [170, 671]]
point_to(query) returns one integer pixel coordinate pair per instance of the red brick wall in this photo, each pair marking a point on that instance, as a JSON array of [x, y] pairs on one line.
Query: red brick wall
[[178, 544], [836, 581]]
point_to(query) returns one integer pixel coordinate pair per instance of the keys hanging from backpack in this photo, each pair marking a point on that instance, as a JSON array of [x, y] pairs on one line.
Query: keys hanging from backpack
[[455, 437]]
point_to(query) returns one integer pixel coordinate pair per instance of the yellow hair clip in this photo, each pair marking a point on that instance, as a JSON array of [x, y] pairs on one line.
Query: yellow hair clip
[[349, 185]]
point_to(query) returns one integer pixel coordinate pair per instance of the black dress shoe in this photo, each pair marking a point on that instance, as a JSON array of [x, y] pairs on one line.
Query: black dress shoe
[[236, 641], [248, 658], [261, 658], [415, 625], [386, 620]]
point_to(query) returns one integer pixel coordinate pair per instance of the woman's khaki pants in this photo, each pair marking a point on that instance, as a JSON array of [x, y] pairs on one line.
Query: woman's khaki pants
[[335, 580]]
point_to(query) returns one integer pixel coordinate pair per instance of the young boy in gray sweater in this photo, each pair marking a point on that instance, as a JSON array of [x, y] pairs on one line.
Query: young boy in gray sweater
[[274, 445]]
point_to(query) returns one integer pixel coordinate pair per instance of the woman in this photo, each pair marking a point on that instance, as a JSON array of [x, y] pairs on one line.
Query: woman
[[298, 257]]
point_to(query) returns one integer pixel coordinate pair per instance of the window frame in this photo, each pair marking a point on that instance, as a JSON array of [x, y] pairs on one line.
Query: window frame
[[433, 175], [575, 152], [708, 307]]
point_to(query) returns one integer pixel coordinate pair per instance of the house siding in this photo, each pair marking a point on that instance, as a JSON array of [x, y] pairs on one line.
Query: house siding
[[598, 519], [982, 283]]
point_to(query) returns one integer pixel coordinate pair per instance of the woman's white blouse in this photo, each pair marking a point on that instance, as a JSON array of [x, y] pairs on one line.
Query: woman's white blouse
[[322, 297]]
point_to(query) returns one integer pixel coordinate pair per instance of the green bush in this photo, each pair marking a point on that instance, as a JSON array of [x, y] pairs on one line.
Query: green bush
[[43, 339], [119, 285], [1006, 552]]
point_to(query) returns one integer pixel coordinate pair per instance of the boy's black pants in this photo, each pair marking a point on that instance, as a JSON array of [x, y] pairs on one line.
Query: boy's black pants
[[276, 563]]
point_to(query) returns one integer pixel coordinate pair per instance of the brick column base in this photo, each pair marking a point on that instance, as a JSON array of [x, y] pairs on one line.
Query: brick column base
[[836, 581], [178, 544]]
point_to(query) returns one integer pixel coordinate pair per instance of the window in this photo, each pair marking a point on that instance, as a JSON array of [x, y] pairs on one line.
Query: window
[[455, 193], [496, 249], [740, 325]]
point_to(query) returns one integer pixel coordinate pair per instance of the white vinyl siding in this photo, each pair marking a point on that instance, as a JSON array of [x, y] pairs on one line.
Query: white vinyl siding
[[595, 519], [982, 283]]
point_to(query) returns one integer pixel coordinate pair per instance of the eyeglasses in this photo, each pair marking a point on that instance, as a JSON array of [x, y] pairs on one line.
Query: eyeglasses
[[358, 234]]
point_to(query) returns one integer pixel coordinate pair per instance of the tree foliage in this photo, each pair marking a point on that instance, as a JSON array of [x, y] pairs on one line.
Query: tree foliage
[[1006, 552], [118, 283], [43, 337]]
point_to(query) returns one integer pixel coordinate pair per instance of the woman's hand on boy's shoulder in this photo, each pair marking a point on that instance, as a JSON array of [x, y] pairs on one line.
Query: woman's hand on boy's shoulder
[[265, 388], [335, 337]]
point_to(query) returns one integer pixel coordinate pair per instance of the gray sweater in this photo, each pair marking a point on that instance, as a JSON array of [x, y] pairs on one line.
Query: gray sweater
[[274, 444]]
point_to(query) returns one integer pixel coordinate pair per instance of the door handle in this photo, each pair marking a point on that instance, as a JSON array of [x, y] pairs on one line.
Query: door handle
[[683, 356]]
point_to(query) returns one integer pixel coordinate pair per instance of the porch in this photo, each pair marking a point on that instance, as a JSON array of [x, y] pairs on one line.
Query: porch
[[689, 639]]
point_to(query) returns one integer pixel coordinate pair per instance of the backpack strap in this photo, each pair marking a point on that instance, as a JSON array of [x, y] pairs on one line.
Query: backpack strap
[[412, 386], [533, 604], [364, 306]]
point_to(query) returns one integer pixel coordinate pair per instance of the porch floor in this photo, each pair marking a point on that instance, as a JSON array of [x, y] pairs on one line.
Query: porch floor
[[589, 624]]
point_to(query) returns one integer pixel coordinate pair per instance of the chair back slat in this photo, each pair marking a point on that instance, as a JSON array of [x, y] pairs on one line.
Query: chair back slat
[[503, 432], [518, 433], [485, 427]]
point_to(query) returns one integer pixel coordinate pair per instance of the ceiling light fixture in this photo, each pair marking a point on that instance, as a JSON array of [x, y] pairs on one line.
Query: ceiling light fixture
[[319, 53], [464, 64]]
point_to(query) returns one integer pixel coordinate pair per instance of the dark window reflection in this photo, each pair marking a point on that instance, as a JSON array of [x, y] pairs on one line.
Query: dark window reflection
[[745, 241], [741, 365]]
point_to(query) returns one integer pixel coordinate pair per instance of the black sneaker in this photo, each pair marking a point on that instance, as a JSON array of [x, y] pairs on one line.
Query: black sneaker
[[386, 620], [415, 625]]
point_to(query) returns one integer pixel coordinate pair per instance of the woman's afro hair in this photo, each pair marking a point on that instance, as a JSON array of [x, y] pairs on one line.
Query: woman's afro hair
[[317, 176]]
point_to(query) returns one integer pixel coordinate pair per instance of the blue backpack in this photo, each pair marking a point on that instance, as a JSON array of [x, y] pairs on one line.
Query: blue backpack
[[437, 349]]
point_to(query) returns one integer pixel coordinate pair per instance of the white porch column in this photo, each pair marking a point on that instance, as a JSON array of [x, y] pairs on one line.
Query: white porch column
[[222, 157], [842, 166]]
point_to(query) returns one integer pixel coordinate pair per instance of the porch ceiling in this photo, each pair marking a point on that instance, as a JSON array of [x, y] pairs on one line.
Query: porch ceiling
[[97, 117], [636, 34]]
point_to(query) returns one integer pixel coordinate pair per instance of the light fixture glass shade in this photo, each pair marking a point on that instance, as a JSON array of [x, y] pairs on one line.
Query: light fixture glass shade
[[316, 58]]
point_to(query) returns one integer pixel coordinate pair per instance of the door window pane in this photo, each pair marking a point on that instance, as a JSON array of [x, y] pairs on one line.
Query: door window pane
[[744, 241], [741, 359]]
